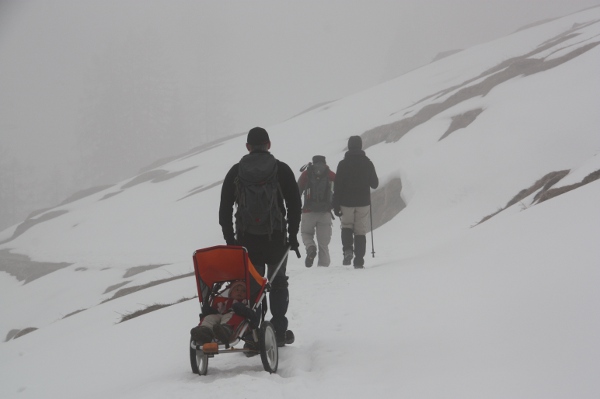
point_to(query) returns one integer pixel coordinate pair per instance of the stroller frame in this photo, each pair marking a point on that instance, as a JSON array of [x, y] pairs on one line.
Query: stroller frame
[[213, 267]]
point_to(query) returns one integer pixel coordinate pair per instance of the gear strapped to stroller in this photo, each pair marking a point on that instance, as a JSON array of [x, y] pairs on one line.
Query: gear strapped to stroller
[[214, 267]]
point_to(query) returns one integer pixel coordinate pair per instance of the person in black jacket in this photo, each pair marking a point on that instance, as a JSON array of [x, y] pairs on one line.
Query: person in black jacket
[[355, 176], [268, 248]]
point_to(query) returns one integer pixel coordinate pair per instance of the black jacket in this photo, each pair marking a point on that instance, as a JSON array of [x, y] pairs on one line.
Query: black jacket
[[354, 177], [289, 189]]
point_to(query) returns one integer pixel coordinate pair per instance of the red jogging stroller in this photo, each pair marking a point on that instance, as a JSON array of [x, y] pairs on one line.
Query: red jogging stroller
[[214, 268]]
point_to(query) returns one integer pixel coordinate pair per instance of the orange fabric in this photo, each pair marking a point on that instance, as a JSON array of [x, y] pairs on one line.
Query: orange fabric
[[221, 264], [224, 263]]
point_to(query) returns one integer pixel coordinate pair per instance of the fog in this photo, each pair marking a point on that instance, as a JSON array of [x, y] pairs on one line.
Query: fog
[[93, 90]]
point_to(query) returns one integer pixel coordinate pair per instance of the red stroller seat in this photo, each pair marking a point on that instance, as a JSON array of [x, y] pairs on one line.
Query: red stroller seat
[[214, 267]]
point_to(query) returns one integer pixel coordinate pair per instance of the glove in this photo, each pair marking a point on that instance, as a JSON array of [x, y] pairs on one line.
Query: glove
[[242, 310], [229, 236], [338, 212], [231, 240], [293, 241], [294, 245]]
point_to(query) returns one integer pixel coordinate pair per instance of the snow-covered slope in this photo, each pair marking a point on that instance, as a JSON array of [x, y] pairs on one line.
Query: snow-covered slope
[[449, 307]]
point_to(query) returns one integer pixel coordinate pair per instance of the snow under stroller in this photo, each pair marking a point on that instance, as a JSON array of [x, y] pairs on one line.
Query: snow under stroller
[[214, 268]]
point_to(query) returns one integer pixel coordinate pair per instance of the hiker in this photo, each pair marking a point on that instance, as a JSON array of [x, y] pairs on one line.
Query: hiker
[[259, 185], [221, 321], [355, 176], [316, 183]]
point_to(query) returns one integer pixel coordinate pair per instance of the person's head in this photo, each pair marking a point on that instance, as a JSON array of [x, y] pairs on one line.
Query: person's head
[[237, 290], [319, 159], [258, 140], [355, 143]]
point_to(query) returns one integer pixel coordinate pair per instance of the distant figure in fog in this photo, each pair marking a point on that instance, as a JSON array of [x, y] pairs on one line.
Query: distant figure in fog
[[355, 176]]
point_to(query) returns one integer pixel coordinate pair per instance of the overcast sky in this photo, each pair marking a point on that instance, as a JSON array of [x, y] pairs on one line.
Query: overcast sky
[[220, 67]]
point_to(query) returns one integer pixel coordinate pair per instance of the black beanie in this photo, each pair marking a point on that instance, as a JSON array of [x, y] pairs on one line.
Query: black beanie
[[355, 143], [319, 158], [257, 136]]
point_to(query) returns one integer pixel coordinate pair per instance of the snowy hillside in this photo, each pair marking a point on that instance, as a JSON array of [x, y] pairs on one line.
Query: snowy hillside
[[486, 271]]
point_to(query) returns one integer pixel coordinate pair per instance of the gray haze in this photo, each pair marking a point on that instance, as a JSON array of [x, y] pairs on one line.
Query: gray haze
[[93, 90]]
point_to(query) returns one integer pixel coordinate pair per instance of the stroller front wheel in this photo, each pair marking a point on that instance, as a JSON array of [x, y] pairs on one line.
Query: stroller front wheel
[[268, 347], [198, 360]]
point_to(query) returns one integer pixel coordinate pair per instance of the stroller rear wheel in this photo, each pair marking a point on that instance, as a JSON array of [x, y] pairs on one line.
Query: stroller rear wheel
[[268, 347], [198, 360]]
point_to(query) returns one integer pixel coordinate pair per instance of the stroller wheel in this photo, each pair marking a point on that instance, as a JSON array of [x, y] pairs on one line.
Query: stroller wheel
[[198, 360], [268, 347]]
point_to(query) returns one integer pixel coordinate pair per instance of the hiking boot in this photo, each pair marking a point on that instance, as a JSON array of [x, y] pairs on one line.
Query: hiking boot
[[347, 257], [280, 338], [253, 349], [359, 263], [311, 253], [360, 248], [201, 335], [289, 337], [223, 332]]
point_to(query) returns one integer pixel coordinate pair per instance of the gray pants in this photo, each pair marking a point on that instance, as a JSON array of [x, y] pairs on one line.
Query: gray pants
[[356, 218], [212, 319], [321, 223]]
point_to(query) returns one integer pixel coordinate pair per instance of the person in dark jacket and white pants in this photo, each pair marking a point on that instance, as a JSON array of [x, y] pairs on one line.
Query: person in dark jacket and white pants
[[355, 176]]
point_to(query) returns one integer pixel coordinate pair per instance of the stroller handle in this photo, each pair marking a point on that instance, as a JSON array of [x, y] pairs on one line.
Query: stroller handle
[[285, 255]]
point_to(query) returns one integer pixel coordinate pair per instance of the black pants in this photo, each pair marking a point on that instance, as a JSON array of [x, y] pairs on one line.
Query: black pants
[[264, 254]]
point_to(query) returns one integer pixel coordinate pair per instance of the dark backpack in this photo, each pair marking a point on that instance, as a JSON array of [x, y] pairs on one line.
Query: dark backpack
[[318, 193], [257, 189]]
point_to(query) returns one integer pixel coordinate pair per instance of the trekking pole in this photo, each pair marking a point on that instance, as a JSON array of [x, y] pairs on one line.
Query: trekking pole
[[371, 218]]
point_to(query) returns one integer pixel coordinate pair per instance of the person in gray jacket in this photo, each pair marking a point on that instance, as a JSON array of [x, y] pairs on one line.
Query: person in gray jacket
[[316, 185]]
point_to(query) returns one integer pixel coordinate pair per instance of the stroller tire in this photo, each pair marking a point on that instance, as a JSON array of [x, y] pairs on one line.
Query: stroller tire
[[269, 352], [198, 360]]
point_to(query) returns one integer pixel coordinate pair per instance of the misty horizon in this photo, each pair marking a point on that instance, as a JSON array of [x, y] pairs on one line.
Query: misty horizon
[[92, 92]]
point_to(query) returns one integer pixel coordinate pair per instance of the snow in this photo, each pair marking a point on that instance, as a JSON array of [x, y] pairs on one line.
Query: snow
[[446, 308]]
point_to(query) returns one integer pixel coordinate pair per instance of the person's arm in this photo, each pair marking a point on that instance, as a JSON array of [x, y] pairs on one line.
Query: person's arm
[[337, 189], [374, 180], [291, 196], [302, 182], [226, 206], [331, 175]]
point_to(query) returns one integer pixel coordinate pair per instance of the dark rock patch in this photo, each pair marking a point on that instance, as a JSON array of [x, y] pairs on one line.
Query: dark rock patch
[[107, 196], [74, 313], [171, 175], [154, 176], [200, 189], [487, 81], [14, 334], [24, 269], [551, 193], [85, 193], [387, 202], [445, 54], [131, 290], [144, 177], [29, 223], [150, 308], [542, 185], [461, 121], [132, 271], [116, 286]]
